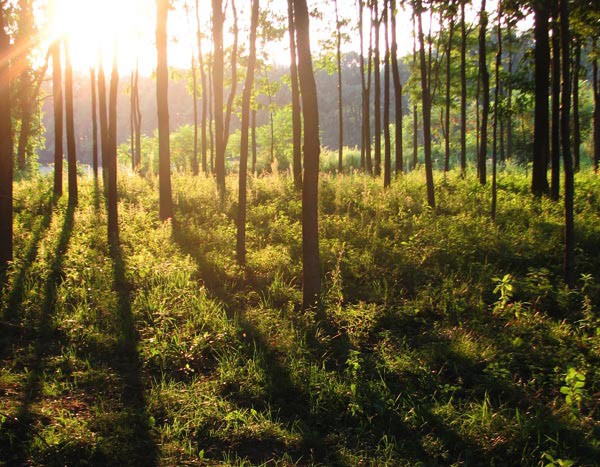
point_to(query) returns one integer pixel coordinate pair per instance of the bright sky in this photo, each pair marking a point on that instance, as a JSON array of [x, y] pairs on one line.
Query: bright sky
[[95, 25]]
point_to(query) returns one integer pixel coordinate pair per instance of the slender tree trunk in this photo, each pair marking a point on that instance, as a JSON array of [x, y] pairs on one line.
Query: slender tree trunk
[[111, 201], [376, 25], [162, 104], [596, 87], [338, 27], [23, 43], [509, 123], [367, 106], [6, 150], [233, 87], [205, 90], [364, 95], [94, 122], [27, 99], [254, 141], [195, 165], [426, 113], [399, 154], [448, 79], [576, 120], [496, 116], [218, 84], [387, 165], [246, 98], [296, 111], [415, 160], [539, 181], [102, 101], [211, 122], [485, 84], [57, 95], [555, 128], [565, 38], [70, 123], [463, 90], [138, 120], [310, 189], [132, 118]]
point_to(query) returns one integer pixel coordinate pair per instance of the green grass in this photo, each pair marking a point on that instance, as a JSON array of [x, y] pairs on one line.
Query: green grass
[[165, 352]]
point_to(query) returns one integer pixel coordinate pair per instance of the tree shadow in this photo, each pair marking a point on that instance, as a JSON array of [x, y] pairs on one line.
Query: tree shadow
[[19, 432]]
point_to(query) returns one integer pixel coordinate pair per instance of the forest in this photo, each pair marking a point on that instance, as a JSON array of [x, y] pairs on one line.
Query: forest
[[299, 232]]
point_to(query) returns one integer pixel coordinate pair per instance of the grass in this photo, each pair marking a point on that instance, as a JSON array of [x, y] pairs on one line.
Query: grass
[[450, 340]]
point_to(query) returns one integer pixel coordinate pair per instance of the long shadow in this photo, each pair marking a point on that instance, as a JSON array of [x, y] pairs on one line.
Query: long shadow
[[19, 432], [136, 444]]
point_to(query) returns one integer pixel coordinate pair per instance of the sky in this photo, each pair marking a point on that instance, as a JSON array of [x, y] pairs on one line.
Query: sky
[[95, 25]]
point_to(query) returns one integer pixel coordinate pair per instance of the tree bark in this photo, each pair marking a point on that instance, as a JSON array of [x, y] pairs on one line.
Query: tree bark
[[415, 160], [217, 73], [387, 165], [296, 111], [111, 201], [539, 181], [463, 90], [576, 120], [485, 104], [254, 141], [596, 131], [70, 124], [195, 165], [162, 103], [496, 116], [569, 262], [377, 62], [311, 275], [509, 123], [448, 79], [555, 127], [338, 56], [246, 98], [398, 149], [205, 90], [94, 122], [6, 150], [57, 97]]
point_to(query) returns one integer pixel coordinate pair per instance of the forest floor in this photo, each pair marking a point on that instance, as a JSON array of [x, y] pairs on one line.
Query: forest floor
[[449, 339]]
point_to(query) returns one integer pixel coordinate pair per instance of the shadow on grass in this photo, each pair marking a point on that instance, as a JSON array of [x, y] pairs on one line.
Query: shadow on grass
[[19, 433]]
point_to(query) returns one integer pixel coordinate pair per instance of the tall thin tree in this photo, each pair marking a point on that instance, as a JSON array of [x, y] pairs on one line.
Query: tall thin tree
[[111, 199], [398, 149], [70, 124], [376, 23], [94, 122], [296, 112], [6, 147], [555, 102], [496, 110], [57, 97], [485, 91], [463, 90], [387, 160], [205, 91], [338, 60]]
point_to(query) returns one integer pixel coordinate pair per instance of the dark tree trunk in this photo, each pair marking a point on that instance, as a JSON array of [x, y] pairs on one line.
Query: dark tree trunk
[[596, 88], [6, 150], [246, 98], [509, 124], [57, 97], [565, 38], [254, 141], [377, 62], [138, 119], [576, 120], [463, 90], [448, 79], [367, 106], [27, 99], [415, 158], [364, 95], [195, 165], [205, 90], [485, 104], [111, 200], [94, 123], [70, 124], [539, 181], [218, 84], [426, 113], [296, 111], [496, 115], [555, 129], [387, 161], [102, 101], [211, 128], [397, 94], [338, 56], [132, 118], [311, 274], [162, 103]]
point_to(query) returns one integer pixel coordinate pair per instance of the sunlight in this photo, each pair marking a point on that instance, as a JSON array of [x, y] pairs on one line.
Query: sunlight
[[91, 26]]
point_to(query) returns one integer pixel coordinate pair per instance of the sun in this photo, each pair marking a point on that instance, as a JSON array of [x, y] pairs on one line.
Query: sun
[[91, 27]]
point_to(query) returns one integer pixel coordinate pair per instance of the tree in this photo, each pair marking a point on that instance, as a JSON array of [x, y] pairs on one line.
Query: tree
[[565, 38], [555, 128], [57, 96], [387, 164], [596, 131], [539, 180], [376, 23], [205, 90], [451, 12], [365, 147], [426, 100], [195, 165], [248, 88], [399, 168], [94, 122], [103, 119], [338, 55], [162, 103], [311, 272], [111, 200], [496, 110], [576, 119], [485, 83], [463, 90], [71, 147], [296, 114], [6, 147]]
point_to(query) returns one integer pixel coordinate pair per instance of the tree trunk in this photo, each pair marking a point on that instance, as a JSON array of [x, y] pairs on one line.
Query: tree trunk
[[569, 264], [138, 120], [254, 141], [57, 97], [6, 150], [463, 90], [103, 120], [233, 87], [162, 103], [448, 78], [94, 122], [415, 160], [576, 121], [195, 166], [539, 182], [246, 98], [296, 111], [377, 104], [338, 56], [70, 123], [211, 122], [496, 104], [367, 106], [205, 90], [364, 96], [132, 120], [509, 123], [218, 84], [596, 88], [426, 113], [399, 168], [111, 201], [555, 129], [311, 275], [387, 165], [485, 84]]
